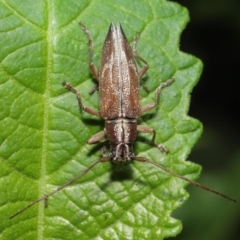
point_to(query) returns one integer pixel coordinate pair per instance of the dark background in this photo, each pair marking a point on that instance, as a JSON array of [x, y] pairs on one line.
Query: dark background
[[213, 35]]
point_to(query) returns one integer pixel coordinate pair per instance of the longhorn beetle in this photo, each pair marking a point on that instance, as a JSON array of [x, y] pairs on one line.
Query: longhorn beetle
[[118, 85]]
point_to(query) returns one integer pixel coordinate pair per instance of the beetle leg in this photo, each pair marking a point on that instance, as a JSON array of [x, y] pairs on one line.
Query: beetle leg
[[97, 138], [79, 97], [103, 150], [136, 55], [92, 67], [158, 91], [95, 88], [145, 129], [90, 43]]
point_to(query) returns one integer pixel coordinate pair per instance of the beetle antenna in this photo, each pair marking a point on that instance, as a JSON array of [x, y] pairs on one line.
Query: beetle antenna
[[45, 197], [142, 159]]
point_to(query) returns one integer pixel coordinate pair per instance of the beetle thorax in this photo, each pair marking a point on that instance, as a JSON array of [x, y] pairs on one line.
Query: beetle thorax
[[121, 134]]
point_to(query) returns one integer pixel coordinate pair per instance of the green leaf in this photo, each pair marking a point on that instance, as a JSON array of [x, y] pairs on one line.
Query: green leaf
[[43, 133]]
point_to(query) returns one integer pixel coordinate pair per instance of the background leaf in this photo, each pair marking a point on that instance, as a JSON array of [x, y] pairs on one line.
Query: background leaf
[[215, 101], [43, 135]]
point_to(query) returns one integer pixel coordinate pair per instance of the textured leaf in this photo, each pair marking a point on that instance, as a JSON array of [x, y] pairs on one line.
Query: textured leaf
[[43, 133]]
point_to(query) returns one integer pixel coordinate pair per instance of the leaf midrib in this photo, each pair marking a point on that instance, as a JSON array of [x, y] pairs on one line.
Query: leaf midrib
[[46, 103]]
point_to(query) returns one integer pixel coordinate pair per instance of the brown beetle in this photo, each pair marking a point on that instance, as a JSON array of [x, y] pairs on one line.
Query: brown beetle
[[119, 83], [120, 107]]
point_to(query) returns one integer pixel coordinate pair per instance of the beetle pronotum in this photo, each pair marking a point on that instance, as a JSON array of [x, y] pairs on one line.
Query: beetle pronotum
[[118, 85]]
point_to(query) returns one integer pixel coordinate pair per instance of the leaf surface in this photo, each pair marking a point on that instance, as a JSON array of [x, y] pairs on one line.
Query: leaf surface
[[43, 133]]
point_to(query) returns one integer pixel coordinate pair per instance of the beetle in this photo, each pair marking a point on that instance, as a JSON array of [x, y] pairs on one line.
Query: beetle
[[119, 97], [119, 101]]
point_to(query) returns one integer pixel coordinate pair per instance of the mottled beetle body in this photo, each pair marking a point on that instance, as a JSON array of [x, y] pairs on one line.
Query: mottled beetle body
[[118, 78], [119, 94], [119, 82], [119, 98]]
